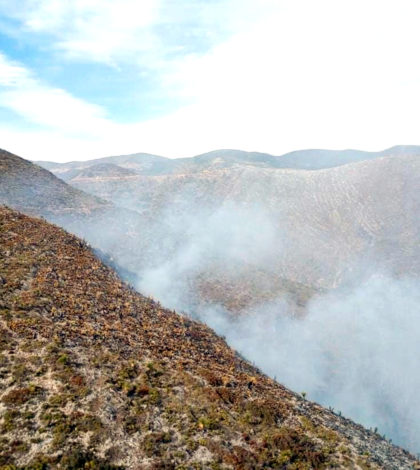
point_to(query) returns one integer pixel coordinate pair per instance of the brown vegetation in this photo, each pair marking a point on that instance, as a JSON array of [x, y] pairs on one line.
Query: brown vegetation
[[95, 376]]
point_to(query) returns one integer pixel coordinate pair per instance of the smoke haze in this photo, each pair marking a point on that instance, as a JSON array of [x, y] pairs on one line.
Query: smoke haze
[[354, 348], [311, 275]]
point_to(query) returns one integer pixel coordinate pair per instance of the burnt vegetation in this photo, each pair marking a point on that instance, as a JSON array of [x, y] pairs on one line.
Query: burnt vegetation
[[95, 376]]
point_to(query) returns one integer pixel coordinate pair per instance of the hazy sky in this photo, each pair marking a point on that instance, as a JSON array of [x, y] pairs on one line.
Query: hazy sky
[[89, 78]]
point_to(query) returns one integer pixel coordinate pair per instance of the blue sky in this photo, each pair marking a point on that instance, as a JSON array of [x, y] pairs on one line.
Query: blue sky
[[88, 78]]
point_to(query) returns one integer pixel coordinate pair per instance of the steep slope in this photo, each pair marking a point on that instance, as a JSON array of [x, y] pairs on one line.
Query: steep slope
[[34, 190], [93, 375]]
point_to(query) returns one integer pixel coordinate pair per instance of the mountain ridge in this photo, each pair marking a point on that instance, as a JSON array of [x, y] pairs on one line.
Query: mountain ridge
[[311, 159], [344, 210]]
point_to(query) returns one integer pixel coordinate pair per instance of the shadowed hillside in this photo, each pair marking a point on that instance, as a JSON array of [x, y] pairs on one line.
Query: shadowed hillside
[[31, 188], [93, 375]]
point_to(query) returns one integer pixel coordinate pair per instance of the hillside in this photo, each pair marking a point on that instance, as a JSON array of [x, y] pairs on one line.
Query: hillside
[[104, 170], [262, 245], [132, 236], [318, 159], [49, 194], [35, 191], [309, 229], [93, 375], [152, 165], [141, 163], [236, 237]]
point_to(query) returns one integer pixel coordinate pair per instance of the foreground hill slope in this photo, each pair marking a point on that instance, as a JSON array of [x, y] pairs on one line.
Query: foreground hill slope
[[93, 375]]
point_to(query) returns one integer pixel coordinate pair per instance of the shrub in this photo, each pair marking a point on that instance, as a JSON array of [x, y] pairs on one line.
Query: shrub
[[19, 396]]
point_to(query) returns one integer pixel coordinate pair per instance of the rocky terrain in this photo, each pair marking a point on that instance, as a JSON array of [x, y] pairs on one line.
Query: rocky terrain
[[94, 375]]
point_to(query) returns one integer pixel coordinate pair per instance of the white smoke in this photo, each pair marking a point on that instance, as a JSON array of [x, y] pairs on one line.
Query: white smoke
[[355, 350], [199, 239]]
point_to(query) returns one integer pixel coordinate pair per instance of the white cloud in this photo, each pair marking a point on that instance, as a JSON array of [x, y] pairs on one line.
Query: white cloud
[[145, 33], [12, 74], [349, 78], [51, 107], [277, 75], [103, 31]]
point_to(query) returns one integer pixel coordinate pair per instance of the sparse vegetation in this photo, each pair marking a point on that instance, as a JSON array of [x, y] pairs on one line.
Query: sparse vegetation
[[95, 376]]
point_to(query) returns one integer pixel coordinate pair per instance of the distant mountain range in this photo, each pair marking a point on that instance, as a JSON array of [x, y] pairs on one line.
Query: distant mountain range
[[152, 165]]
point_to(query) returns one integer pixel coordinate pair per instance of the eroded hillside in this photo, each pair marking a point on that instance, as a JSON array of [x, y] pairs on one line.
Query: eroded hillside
[[93, 375]]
